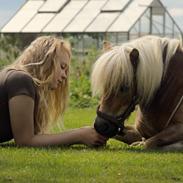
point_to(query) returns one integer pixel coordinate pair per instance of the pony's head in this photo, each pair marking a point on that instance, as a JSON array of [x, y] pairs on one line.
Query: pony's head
[[126, 75]]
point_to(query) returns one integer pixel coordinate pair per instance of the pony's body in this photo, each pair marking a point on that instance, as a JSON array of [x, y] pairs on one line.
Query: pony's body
[[154, 118], [159, 86]]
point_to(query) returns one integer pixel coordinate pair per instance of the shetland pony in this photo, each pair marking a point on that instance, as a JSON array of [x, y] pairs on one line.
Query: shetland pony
[[147, 74]]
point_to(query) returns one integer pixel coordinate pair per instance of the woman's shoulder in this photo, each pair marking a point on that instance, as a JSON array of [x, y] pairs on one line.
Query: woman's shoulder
[[18, 76], [19, 82]]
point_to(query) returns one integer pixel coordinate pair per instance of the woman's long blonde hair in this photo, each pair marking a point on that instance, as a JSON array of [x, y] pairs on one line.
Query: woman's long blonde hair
[[39, 61]]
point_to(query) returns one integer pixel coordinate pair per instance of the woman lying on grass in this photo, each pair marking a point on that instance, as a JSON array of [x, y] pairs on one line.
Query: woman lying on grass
[[34, 93]]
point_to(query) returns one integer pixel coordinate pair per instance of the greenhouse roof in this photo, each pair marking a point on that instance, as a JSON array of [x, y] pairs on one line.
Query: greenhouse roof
[[67, 16]]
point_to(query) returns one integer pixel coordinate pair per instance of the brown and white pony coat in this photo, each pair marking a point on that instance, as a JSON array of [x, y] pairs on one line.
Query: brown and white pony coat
[[159, 87]]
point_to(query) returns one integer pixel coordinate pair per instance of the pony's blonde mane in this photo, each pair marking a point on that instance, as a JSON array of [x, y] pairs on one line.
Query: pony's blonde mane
[[114, 69]]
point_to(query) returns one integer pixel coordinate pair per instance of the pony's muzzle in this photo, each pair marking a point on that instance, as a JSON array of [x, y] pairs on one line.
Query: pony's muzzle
[[105, 127]]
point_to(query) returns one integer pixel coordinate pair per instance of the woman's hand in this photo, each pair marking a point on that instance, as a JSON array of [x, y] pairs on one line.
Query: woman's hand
[[90, 137]]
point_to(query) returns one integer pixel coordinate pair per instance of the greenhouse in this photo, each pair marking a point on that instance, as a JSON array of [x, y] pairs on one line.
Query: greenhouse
[[90, 22]]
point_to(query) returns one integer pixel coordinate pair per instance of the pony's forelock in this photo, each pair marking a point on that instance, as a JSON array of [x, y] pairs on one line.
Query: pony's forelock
[[108, 68]]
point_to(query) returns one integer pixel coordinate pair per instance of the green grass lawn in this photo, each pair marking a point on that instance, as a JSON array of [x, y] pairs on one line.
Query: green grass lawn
[[115, 163]]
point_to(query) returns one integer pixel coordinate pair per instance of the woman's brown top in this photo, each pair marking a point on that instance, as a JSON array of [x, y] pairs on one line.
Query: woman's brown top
[[12, 83]]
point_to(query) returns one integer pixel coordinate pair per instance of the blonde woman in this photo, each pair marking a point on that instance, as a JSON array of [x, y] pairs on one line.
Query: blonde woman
[[34, 93]]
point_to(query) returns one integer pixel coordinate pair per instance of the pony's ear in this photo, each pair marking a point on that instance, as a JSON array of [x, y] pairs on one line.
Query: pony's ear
[[106, 46], [134, 56]]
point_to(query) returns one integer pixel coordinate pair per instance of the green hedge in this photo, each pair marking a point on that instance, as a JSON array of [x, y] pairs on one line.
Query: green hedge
[[8, 50], [80, 85]]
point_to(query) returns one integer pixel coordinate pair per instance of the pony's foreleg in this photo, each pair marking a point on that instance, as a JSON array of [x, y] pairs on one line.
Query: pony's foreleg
[[167, 137], [130, 135]]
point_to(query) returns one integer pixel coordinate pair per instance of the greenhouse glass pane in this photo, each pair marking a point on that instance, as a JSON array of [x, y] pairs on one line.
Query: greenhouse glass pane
[[38, 22], [23, 16], [62, 19], [129, 16], [102, 22], [53, 5], [86, 16], [115, 5]]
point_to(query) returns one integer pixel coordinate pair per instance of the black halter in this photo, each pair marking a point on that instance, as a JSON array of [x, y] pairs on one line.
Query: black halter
[[108, 125]]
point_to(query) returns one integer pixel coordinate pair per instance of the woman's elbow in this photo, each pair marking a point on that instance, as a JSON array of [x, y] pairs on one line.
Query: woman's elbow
[[24, 142]]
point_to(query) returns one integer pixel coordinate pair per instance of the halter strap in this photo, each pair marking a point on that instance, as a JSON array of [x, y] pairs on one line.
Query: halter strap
[[119, 120]]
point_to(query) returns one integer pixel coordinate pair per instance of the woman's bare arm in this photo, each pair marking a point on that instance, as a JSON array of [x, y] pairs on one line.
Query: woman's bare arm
[[21, 110]]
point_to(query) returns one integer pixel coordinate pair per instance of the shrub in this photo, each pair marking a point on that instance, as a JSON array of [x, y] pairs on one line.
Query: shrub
[[80, 86], [9, 50]]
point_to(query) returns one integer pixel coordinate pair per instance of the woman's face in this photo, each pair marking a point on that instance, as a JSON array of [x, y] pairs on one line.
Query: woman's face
[[61, 71]]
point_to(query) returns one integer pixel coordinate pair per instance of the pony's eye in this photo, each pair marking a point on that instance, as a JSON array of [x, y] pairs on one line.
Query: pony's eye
[[124, 89]]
